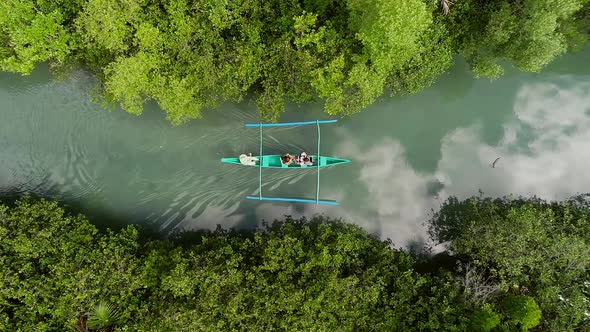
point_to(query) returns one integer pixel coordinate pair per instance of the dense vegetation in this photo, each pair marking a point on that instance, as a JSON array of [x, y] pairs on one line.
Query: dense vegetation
[[192, 54], [516, 265], [526, 247]]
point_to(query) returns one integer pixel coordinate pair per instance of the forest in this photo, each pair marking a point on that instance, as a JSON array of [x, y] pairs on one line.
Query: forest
[[509, 264], [489, 264], [191, 55]]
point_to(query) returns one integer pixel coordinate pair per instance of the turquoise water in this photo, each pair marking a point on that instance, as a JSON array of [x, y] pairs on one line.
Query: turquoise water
[[409, 153]]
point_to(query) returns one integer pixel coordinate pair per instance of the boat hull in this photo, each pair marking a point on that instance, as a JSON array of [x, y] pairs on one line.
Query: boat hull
[[274, 161]]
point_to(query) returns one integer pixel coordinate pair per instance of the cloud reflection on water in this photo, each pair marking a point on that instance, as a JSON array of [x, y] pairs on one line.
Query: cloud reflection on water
[[143, 170], [543, 151], [397, 196]]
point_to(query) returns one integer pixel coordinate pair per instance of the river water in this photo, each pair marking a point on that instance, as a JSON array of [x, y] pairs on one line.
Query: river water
[[409, 153]]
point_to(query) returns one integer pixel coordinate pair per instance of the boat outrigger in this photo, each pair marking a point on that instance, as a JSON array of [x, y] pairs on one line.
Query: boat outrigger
[[274, 161]]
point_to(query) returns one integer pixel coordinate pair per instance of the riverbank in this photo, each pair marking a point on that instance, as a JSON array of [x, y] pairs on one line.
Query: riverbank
[[59, 272], [345, 54]]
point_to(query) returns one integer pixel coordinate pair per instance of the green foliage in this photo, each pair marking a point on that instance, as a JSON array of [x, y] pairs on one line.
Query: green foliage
[[57, 270], [484, 320], [389, 32], [109, 24], [317, 275], [55, 265], [193, 55], [424, 67], [526, 245], [291, 275], [585, 17], [103, 316], [529, 33], [31, 35], [522, 311]]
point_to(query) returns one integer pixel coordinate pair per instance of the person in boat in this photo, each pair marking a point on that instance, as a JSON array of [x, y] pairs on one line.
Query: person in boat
[[304, 159], [248, 160], [287, 159]]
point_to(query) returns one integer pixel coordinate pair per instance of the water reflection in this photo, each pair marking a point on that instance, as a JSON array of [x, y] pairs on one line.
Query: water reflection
[[409, 153], [544, 151]]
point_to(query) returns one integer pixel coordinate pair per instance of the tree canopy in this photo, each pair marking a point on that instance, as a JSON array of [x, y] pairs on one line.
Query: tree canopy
[[58, 271], [515, 265], [529, 247], [528, 33], [188, 55]]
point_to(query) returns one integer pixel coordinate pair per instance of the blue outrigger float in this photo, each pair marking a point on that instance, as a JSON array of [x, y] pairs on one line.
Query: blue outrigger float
[[274, 161]]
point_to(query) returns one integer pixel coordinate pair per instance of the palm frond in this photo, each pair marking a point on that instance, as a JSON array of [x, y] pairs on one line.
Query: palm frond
[[103, 315]]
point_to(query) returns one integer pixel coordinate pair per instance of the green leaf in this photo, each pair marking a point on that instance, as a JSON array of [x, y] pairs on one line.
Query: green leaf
[[102, 316]]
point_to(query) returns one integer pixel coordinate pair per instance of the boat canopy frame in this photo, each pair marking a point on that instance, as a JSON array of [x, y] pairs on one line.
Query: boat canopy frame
[[317, 199]]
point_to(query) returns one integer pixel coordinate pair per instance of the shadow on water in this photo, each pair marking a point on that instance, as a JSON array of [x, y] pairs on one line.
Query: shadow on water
[[191, 238], [13, 82], [97, 216], [570, 63], [456, 82], [442, 261]]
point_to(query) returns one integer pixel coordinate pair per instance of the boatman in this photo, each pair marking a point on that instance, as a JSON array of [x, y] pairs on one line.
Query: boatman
[[304, 159], [248, 160]]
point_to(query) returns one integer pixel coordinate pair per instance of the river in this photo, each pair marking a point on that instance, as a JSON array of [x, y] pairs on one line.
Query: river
[[409, 153]]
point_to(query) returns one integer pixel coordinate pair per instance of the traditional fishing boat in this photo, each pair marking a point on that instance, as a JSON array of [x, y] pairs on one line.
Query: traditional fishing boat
[[274, 161]]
